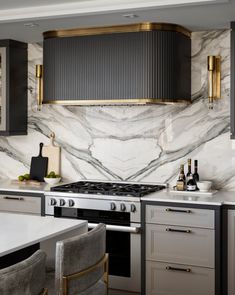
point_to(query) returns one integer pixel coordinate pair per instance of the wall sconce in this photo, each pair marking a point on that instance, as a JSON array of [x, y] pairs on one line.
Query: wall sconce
[[214, 79], [39, 77]]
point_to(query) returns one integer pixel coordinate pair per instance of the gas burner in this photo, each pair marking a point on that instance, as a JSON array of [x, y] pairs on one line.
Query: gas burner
[[108, 188]]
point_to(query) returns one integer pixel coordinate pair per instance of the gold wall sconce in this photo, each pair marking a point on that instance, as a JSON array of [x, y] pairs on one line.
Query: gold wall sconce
[[39, 78], [214, 79]]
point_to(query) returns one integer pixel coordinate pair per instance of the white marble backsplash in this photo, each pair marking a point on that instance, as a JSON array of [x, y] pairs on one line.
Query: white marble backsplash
[[138, 143]]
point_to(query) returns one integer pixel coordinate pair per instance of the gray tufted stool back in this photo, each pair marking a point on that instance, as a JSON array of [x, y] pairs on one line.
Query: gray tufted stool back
[[24, 278], [79, 254]]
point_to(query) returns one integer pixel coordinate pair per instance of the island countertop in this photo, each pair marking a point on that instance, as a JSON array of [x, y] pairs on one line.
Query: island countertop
[[18, 231]]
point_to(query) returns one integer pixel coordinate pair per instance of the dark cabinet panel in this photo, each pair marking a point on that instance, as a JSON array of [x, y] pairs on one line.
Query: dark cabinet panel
[[133, 67], [13, 86], [232, 94]]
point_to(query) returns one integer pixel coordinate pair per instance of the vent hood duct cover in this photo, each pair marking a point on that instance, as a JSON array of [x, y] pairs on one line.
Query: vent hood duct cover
[[129, 64]]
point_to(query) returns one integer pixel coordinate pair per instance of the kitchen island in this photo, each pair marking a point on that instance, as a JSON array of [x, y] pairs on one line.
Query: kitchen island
[[20, 231]]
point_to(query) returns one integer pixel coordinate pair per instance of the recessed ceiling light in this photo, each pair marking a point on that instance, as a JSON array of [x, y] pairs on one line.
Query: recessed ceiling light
[[31, 25], [130, 15]]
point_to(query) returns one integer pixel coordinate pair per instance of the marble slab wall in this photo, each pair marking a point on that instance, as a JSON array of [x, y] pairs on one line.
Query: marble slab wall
[[138, 143]]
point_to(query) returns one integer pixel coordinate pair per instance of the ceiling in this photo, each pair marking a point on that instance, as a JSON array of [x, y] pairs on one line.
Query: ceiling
[[25, 20]]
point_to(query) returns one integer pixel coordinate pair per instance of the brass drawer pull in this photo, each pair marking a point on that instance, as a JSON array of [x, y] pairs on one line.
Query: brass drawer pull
[[188, 231], [178, 269], [14, 198], [178, 210]]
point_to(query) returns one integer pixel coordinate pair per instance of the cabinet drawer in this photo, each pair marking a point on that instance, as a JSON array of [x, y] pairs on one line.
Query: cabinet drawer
[[180, 216], [20, 204], [177, 244], [175, 279]]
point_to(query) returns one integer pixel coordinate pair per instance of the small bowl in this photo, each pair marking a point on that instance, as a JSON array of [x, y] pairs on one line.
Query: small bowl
[[204, 186], [52, 181]]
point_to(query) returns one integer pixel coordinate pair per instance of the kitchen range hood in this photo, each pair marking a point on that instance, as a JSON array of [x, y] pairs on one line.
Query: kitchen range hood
[[146, 63]]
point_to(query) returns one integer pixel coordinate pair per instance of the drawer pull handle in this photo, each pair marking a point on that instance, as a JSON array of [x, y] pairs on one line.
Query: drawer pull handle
[[178, 210], [14, 198], [178, 269], [188, 231]]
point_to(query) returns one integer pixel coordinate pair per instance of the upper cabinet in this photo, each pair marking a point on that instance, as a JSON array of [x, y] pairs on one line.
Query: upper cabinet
[[143, 63], [2, 89], [232, 94], [13, 88]]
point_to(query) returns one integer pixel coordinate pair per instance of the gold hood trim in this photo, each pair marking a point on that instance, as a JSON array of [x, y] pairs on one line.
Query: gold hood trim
[[130, 28], [94, 102]]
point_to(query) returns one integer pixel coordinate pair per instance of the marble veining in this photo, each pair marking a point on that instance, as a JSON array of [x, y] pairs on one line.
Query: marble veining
[[138, 143]]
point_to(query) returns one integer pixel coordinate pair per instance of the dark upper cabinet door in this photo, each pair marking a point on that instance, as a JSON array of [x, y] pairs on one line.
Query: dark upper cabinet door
[[232, 94], [13, 88]]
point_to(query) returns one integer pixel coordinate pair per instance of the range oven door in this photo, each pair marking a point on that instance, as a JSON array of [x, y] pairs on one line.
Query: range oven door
[[123, 243]]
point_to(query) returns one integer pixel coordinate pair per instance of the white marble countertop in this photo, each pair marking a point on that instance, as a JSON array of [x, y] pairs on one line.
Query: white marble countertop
[[221, 197], [217, 199], [8, 186], [18, 231]]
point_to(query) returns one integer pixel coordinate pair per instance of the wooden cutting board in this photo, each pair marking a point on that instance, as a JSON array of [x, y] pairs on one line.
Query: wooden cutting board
[[53, 153], [38, 167], [26, 182]]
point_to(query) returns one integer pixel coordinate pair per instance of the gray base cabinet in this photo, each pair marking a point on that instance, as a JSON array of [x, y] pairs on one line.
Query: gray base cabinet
[[162, 279], [180, 251], [20, 204], [188, 245]]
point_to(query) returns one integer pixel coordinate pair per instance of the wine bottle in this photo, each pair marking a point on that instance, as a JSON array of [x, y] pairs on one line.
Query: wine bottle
[[181, 182], [191, 184], [182, 173], [195, 174], [189, 169], [180, 185]]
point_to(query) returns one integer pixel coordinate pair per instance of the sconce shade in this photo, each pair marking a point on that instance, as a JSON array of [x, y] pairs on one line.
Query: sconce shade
[[214, 78], [211, 62], [39, 77], [38, 71]]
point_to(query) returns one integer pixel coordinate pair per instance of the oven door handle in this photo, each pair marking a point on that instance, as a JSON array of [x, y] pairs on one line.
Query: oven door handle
[[126, 229]]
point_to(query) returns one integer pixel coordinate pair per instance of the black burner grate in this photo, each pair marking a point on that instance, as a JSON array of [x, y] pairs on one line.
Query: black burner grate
[[108, 188]]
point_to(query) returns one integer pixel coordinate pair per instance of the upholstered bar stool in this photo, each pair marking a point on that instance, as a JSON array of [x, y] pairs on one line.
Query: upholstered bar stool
[[82, 264], [26, 277]]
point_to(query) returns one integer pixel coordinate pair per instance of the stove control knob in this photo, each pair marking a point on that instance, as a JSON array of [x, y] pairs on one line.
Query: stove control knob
[[133, 208], [71, 203], [53, 202], [112, 206], [123, 207], [62, 202]]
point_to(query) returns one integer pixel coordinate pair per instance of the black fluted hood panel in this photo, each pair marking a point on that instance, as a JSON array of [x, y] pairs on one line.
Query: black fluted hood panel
[[120, 68]]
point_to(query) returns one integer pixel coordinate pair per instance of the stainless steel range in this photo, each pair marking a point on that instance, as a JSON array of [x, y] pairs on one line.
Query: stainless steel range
[[118, 206]]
